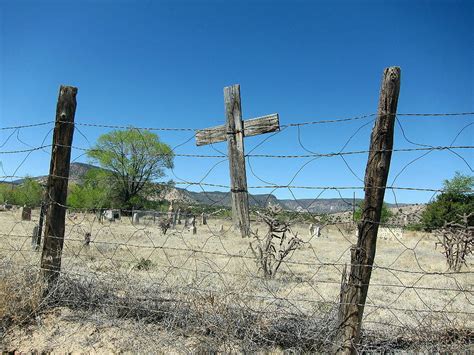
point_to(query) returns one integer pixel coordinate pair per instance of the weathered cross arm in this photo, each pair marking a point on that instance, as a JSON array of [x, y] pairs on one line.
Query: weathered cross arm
[[252, 127]]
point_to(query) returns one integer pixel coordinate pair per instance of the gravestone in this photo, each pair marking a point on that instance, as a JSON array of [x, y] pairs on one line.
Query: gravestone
[[25, 213], [135, 218], [193, 225]]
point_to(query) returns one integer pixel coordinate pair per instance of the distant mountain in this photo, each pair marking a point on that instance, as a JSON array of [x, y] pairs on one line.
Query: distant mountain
[[77, 171], [219, 198], [326, 205]]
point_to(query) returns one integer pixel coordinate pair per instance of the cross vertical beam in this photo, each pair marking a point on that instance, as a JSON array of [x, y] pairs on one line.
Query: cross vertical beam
[[234, 132], [235, 144]]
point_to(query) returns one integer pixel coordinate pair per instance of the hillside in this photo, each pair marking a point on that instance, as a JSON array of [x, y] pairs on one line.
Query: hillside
[[76, 173], [219, 198]]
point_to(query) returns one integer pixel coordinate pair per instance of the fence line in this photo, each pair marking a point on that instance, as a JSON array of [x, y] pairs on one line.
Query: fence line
[[336, 120], [279, 287]]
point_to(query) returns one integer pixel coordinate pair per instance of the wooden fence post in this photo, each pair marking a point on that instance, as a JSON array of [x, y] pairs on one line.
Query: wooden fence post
[[35, 238], [41, 218], [178, 216], [354, 290], [238, 177], [58, 183]]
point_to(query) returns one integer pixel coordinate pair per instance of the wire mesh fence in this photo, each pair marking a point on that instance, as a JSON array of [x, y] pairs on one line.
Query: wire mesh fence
[[179, 277]]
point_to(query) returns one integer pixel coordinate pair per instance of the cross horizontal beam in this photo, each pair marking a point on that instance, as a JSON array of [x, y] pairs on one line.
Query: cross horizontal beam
[[252, 127]]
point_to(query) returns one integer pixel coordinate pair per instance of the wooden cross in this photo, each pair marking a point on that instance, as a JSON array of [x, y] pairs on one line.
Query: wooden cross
[[234, 132]]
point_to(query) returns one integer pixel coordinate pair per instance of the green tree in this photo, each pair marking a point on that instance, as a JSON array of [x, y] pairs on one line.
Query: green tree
[[385, 216], [456, 199], [134, 159], [94, 192], [6, 193], [459, 184], [29, 193]]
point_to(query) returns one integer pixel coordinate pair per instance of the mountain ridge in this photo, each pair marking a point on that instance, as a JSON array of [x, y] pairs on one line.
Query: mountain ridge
[[220, 198]]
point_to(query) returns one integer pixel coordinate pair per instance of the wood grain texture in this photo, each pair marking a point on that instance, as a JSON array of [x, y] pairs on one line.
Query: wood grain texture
[[354, 290], [252, 127], [235, 143], [57, 184]]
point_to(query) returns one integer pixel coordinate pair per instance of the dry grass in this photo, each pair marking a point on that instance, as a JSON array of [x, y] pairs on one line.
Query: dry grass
[[184, 292], [20, 297]]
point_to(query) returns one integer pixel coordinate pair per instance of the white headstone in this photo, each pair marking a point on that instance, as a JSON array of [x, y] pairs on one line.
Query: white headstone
[[135, 218]]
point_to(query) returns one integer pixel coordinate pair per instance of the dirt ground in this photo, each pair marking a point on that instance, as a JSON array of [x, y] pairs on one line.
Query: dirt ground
[[410, 286]]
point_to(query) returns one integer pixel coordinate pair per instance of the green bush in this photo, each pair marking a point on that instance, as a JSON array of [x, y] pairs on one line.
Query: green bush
[[416, 227], [94, 192], [457, 199], [28, 193]]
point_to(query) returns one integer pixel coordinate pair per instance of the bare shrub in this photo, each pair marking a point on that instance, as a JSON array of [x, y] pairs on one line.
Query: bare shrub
[[218, 322], [20, 296], [457, 240], [143, 264], [279, 241], [165, 225]]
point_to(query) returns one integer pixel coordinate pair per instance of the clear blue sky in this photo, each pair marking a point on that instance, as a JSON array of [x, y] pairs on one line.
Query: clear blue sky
[[165, 63]]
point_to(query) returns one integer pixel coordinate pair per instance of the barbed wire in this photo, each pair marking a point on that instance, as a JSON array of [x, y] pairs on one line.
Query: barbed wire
[[321, 121], [187, 269]]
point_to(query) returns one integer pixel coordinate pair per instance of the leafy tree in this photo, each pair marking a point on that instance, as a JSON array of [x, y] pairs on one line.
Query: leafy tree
[[28, 193], [459, 184], [134, 159], [457, 198], [6, 193], [385, 216], [94, 192]]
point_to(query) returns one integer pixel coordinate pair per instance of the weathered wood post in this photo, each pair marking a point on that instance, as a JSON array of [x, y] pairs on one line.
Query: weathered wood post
[[234, 132], [178, 216], [353, 207], [41, 217], [35, 238], [235, 149], [193, 225], [354, 290], [57, 184], [203, 218], [175, 217]]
